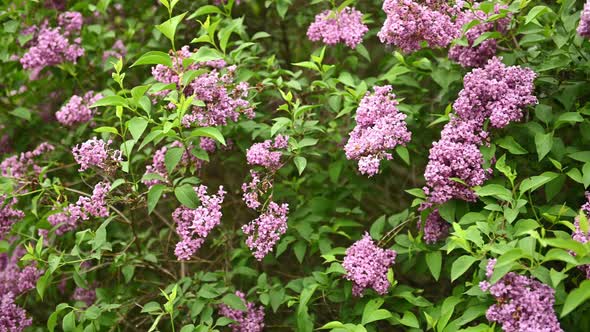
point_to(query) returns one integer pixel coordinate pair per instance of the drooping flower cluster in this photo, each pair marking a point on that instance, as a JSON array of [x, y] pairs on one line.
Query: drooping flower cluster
[[53, 46], [379, 128], [584, 26], [409, 23], [496, 93], [86, 295], [435, 228], [267, 154], [12, 317], [582, 234], [224, 99], [366, 266], [477, 56], [333, 27], [252, 190], [96, 152], [8, 215], [523, 303], [84, 208], [118, 50], [265, 231], [157, 172], [251, 320], [77, 109], [194, 225], [18, 166]]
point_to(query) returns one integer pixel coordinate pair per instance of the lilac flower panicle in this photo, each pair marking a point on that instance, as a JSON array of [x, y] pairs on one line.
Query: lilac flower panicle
[[194, 225], [366, 266], [158, 166], [523, 303], [86, 295], [19, 166], [8, 215], [13, 278], [496, 92], [252, 191], [77, 110], [70, 22], [117, 50], [96, 152], [584, 26], [435, 228], [266, 230], [333, 27], [12, 317], [380, 127], [268, 153], [582, 236], [409, 22], [251, 320]]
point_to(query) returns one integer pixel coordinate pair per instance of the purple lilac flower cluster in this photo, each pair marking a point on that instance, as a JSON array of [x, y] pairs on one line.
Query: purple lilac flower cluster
[[366, 266], [496, 93], [194, 225], [333, 27], [379, 128], [86, 295], [523, 303], [8, 215], [118, 50], [435, 228], [77, 109], [18, 166], [267, 154], [12, 317], [224, 100], [84, 208], [584, 26], [251, 320], [53, 46], [409, 23], [477, 56], [265, 231], [158, 166], [583, 236], [96, 152]]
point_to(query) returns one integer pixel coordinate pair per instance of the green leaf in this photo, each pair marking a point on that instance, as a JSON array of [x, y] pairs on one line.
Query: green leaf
[[403, 152], [576, 297], [511, 145], [279, 124], [137, 126], [168, 28], [234, 301], [494, 190], [461, 265], [186, 196], [111, 130], [300, 162], [205, 10], [172, 158], [535, 182], [154, 195], [154, 58], [110, 101], [210, 132], [409, 319], [535, 12], [434, 263], [22, 113], [42, 283], [68, 323], [128, 271], [206, 54], [544, 143]]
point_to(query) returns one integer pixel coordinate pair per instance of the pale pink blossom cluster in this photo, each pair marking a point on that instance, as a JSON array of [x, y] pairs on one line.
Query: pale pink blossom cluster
[[333, 27], [268, 153], [380, 127], [18, 166], [584, 25], [194, 225], [77, 110], [581, 235], [251, 320], [265, 231], [366, 266], [96, 152]]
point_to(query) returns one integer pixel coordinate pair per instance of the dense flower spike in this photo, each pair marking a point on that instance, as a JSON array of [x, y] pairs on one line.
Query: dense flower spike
[[366, 266], [53, 46], [86, 295], [584, 26], [194, 225], [96, 152], [409, 23], [266, 230], [470, 56], [8, 215], [496, 92], [252, 190], [333, 27], [251, 320], [13, 278], [380, 127], [224, 99], [118, 50], [267, 154], [523, 303], [77, 110], [18, 166], [435, 228], [582, 232], [12, 317]]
